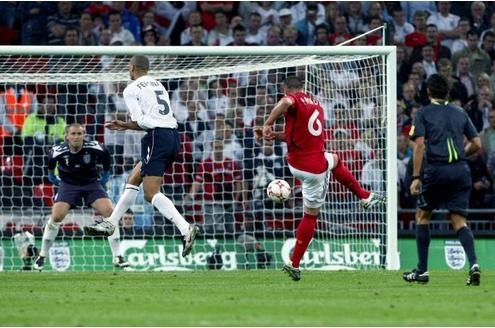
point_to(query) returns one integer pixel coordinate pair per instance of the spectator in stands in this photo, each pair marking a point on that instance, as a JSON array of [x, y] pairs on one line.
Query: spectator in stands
[[463, 73], [7, 21], [355, 18], [488, 44], [298, 9], [418, 36], [105, 37], [372, 173], [273, 37], [209, 10], [445, 22], [479, 60], [408, 96], [254, 33], [289, 36], [418, 77], [484, 102], [375, 38], [433, 37], [332, 11], [16, 102], [487, 137], [217, 102], [57, 23], [239, 37], [321, 35], [267, 167], [490, 28], [458, 91], [428, 62], [127, 224], [268, 15], [479, 23], [180, 97], [149, 35], [483, 80], [340, 30], [412, 7], [400, 25], [119, 32], [193, 20], [33, 17], [198, 130], [87, 35], [403, 65], [220, 182], [460, 43], [221, 34], [375, 9], [479, 107], [71, 36], [482, 190], [232, 148], [197, 36], [285, 18], [41, 129], [129, 21], [306, 27]]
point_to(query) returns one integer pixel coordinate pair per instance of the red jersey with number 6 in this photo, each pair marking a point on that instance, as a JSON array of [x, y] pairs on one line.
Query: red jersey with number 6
[[304, 133]]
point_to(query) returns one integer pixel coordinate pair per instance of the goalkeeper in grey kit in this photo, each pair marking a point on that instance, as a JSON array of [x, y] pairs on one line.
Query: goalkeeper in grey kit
[[77, 161]]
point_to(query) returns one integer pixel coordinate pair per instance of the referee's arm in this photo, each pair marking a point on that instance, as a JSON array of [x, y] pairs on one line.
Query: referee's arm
[[472, 146], [418, 153]]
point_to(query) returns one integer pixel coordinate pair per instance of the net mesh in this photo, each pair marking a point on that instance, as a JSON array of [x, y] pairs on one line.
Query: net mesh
[[213, 98]]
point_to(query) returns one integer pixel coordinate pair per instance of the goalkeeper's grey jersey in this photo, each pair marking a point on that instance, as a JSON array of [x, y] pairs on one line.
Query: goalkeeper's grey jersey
[[149, 104]]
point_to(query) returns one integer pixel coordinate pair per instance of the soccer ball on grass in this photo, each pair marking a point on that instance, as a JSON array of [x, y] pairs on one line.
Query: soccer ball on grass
[[278, 191]]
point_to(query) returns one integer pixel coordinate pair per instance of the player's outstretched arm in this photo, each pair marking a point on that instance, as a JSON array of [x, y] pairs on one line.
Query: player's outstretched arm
[[121, 125]]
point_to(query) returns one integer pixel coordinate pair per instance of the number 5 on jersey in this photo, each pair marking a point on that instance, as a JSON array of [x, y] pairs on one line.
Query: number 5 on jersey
[[161, 100]]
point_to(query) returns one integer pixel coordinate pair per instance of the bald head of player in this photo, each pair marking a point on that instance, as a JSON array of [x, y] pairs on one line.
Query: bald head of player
[[292, 83], [138, 66]]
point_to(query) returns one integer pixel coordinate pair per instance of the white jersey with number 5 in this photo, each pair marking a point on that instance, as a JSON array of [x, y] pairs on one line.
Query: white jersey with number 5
[[149, 104]]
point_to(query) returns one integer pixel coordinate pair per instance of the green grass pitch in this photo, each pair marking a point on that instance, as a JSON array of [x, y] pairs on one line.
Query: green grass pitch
[[243, 298]]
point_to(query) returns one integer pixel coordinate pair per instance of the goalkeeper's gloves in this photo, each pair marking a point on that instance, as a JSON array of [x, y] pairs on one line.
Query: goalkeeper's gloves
[[104, 177], [53, 178]]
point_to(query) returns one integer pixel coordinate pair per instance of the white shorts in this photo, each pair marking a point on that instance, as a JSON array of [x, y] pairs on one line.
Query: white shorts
[[314, 186]]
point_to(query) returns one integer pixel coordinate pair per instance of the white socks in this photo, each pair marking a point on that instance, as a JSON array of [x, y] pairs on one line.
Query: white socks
[[49, 234], [124, 203], [168, 210], [114, 241]]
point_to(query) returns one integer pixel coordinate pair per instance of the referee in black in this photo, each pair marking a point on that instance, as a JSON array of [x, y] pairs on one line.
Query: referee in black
[[438, 132]]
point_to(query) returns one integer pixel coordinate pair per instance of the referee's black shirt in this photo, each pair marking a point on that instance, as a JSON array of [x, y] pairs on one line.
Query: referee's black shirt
[[443, 126]]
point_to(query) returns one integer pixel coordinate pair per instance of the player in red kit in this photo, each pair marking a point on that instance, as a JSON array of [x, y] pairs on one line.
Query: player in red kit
[[309, 162]]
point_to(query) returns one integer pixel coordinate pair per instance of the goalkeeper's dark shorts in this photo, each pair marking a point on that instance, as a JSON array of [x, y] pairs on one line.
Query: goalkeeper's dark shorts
[[75, 194], [159, 149], [447, 186]]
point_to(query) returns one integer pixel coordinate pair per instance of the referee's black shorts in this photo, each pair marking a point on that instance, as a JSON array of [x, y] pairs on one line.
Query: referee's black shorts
[[159, 149], [446, 185]]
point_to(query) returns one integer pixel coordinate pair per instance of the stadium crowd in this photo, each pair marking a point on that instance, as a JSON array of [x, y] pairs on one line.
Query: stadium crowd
[[217, 114]]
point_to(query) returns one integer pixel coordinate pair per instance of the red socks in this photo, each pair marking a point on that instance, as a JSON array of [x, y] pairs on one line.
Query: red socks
[[345, 177], [304, 234]]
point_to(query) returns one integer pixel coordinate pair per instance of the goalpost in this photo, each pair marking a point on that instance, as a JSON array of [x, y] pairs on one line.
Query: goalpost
[[218, 95]]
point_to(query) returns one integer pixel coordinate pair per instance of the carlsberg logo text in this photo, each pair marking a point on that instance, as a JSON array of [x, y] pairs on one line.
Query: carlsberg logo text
[[160, 259], [328, 258]]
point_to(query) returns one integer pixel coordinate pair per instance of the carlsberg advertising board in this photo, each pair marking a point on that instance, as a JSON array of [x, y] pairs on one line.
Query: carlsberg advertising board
[[165, 254]]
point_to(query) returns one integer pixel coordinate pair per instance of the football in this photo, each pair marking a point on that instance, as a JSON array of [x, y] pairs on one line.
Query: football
[[278, 190]]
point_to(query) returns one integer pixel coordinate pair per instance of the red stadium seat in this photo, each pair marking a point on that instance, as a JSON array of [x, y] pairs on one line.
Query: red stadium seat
[[45, 193]]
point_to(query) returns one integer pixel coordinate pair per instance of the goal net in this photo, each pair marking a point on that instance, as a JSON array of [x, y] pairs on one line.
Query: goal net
[[218, 95]]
